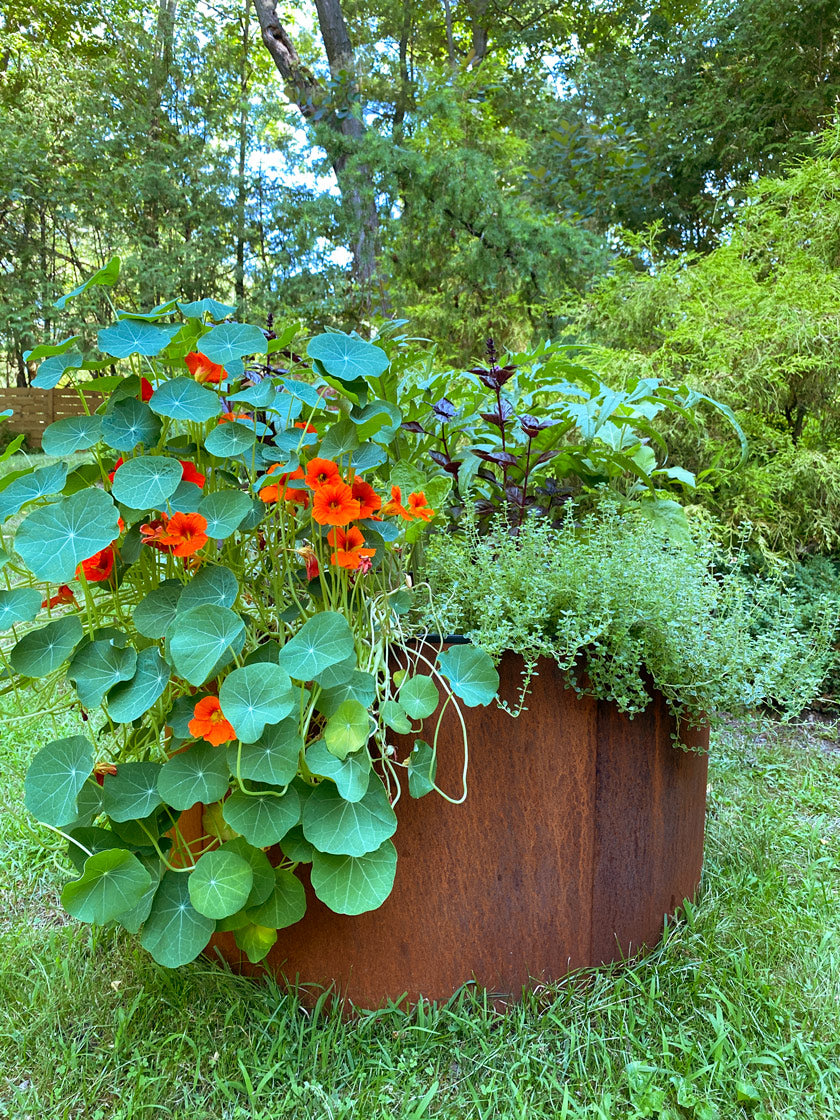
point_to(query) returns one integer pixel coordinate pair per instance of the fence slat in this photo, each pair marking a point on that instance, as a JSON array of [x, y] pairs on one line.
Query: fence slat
[[35, 409]]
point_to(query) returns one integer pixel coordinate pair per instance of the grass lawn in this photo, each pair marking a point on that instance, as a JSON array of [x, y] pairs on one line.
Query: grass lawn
[[737, 1014]]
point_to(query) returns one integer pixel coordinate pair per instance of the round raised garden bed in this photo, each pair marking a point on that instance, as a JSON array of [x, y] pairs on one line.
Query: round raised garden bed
[[581, 831]]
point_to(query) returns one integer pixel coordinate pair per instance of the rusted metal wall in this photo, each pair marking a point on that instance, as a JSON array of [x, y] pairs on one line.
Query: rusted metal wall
[[581, 830]]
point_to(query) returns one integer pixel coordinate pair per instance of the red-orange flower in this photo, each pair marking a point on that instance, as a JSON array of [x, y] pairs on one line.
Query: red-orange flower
[[306, 427], [369, 501], [282, 492], [395, 505], [153, 533], [209, 722], [146, 389], [97, 567], [190, 474], [320, 472], [203, 369], [419, 507], [185, 533], [226, 417], [310, 558], [101, 769], [65, 595], [334, 504], [349, 550]]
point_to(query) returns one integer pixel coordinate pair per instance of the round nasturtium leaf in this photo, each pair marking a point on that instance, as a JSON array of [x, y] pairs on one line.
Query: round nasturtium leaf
[[229, 341], [200, 637], [256, 695], [133, 919], [175, 932], [54, 539], [228, 440], [184, 399], [30, 487], [97, 667], [129, 422], [263, 817], [360, 687], [132, 793], [21, 604], [128, 700], [147, 481], [351, 776], [257, 860], [273, 758], [54, 368], [471, 673], [337, 674], [220, 884], [353, 885], [323, 640], [350, 828], [419, 696], [348, 728], [73, 433], [156, 611], [206, 306], [224, 512], [348, 358], [393, 715], [41, 652], [55, 778], [422, 769], [214, 585], [285, 905], [134, 336], [296, 847], [112, 882], [186, 498], [198, 774], [254, 941]]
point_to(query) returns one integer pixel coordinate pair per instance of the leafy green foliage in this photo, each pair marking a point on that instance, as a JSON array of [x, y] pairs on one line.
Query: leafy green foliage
[[622, 605]]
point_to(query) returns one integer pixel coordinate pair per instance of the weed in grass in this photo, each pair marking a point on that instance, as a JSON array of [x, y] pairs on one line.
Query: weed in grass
[[735, 1015]]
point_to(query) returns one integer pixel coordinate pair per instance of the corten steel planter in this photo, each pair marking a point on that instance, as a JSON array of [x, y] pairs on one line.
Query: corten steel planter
[[581, 830]]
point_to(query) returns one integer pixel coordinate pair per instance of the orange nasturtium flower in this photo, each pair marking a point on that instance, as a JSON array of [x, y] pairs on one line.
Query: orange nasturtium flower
[[226, 417], [306, 427], [103, 768], [209, 722], [97, 567], [349, 550], [310, 558], [191, 474], [146, 389], [203, 369], [334, 504], [185, 533], [65, 595], [369, 501], [320, 472], [419, 507], [395, 505], [281, 492]]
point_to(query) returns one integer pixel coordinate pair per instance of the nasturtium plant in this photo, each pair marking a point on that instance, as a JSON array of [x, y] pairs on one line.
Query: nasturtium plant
[[222, 589]]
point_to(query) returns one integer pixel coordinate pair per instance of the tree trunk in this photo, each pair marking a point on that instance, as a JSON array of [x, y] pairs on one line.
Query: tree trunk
[[354, 179], [241, 183]]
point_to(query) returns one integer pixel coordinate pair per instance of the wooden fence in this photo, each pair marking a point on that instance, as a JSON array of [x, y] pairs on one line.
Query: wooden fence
[[34, 409]]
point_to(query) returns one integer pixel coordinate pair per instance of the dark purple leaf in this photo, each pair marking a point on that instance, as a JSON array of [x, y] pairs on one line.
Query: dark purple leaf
[[505, 374], [531, 426], [514, 493], [544, 456], [483, 508], [413, 426], [499, 417], [439, 458], [500, 458], [444, 409], [453, 466], [488, 476]]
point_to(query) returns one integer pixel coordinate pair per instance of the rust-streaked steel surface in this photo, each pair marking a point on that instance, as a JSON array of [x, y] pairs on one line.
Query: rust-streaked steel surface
[[582, 829]]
